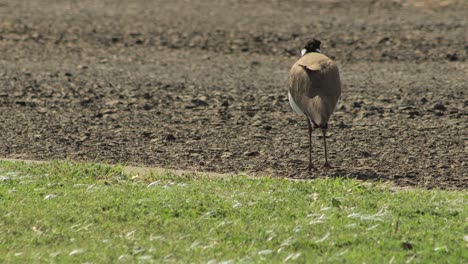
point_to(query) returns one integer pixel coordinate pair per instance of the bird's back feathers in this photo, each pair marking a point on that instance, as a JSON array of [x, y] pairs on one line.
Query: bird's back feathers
[[314, 85]]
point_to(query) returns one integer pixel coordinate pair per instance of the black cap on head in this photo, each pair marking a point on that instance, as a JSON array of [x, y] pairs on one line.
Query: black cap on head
[[312, 45]]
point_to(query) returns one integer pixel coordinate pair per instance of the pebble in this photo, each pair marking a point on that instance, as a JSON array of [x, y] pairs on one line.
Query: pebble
[[42, 110]]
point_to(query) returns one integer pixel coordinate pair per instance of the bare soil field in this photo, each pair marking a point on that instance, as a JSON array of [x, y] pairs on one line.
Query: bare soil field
[[202, 86]]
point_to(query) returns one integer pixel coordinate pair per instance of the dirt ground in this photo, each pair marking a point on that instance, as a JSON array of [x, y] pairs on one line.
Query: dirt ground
[[202, 86]]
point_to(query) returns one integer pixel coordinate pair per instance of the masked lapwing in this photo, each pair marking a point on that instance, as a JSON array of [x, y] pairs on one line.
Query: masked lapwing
[[314, 90]]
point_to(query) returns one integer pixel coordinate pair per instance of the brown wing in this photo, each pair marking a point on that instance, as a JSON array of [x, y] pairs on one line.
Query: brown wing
[[314, 84]]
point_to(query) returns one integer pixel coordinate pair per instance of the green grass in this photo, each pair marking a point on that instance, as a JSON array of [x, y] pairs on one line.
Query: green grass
[[66, 212]]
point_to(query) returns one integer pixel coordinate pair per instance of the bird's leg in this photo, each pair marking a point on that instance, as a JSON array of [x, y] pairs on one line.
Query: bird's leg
[[310, 167], [326, 165]]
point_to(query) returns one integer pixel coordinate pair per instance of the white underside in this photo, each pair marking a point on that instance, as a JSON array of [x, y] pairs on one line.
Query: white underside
[[294, 105], [315, 116], [337, 102]]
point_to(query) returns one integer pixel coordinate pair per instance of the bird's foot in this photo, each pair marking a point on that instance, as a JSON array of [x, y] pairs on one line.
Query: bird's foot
[[311, 168], [327, 166]]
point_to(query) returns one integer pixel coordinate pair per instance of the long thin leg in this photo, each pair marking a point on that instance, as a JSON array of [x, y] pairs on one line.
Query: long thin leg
[[324, 132], [310, 146]]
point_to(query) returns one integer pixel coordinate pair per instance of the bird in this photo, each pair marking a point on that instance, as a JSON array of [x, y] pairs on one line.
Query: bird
[[314, 89]]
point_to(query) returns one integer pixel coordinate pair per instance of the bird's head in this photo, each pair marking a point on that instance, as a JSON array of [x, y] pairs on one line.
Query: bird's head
[[312, 45]]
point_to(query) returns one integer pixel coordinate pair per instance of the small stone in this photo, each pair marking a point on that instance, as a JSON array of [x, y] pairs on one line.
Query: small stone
[[114, 116], [42, 110], [148, 107], [357, 104]]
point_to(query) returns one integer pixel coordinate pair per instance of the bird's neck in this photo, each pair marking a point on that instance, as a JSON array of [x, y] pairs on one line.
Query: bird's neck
[[305, 51]]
